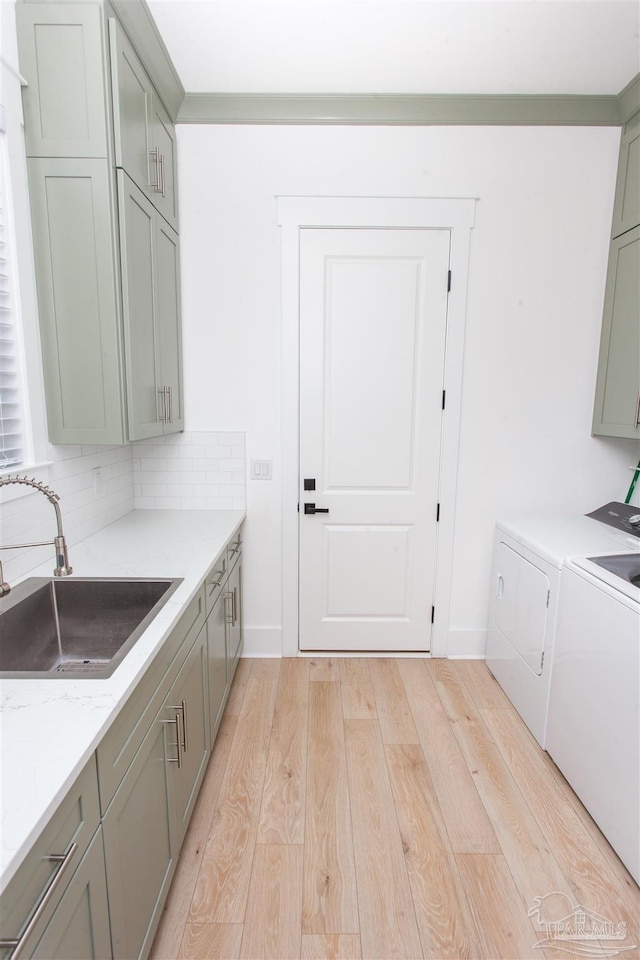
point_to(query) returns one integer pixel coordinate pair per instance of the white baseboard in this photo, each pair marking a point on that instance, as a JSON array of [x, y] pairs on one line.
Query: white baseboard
[[467, 644], [267, 642], [262, 642]]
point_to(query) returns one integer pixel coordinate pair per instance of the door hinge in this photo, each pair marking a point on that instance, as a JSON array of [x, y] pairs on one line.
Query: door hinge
[[298, 508], [437, 512], [449, 282], [433, 614], [444, 395]]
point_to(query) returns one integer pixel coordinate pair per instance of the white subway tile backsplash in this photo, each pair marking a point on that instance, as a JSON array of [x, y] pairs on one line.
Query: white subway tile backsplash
[[86, 505], [195, 470]]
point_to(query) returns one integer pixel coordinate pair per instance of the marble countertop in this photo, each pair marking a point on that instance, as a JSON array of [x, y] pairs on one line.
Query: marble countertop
[[50, 728]]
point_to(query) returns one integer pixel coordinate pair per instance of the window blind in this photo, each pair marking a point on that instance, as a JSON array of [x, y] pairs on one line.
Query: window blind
[[11, 431]]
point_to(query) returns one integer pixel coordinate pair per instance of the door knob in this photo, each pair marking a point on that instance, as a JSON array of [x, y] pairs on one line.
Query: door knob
[[311, 508]]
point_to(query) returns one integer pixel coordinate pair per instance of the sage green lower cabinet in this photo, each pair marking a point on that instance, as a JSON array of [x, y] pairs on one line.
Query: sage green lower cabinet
[[234, 616], [56, 904], [617, 402], [187, 718], [139, 852], [79, 928], [106, 886], [217, 640]]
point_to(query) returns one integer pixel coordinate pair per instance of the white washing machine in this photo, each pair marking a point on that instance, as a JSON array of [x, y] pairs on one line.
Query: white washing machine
[[593, 730], [528, 555]]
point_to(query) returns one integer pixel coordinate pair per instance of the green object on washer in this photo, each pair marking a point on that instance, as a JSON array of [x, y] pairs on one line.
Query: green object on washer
[[633, 483]]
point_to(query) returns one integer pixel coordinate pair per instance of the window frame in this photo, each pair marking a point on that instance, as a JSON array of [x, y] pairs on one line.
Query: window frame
[[36, 450]]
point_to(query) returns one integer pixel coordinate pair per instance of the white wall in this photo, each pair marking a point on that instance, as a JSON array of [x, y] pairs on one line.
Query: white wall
[[537, 273]]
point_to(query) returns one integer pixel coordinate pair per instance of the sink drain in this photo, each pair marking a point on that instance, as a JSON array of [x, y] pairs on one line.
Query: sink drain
[[80, 666]]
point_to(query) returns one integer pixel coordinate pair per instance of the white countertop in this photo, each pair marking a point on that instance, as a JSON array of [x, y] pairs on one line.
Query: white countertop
[[50, 728]]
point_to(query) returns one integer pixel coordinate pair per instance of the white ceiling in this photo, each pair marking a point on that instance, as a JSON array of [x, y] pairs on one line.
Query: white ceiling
[[401, 46]]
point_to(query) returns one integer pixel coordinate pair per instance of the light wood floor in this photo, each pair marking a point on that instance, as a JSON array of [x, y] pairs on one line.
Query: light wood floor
[[384, 809]]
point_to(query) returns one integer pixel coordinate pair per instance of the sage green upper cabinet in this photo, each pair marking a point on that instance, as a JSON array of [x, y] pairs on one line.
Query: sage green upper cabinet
[[617, 406], [107, 266], [72, 209], [63, 57], [151, 305], [163, 138], [132, 109], [169, 325], [616, 410], [626, 208], [145, 143]]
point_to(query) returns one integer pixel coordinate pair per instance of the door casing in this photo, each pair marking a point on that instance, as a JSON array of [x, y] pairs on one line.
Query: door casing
[[295, 213]]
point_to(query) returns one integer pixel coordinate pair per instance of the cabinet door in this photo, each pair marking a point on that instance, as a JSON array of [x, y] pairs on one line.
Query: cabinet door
[[132, 108], [72, 210], [163, 152], [234, 616], [626, 210], [79, 928], [139, 846], [168, 324], [62, 57], [217, 640], [137, 255], [187, 703], [616, 412]]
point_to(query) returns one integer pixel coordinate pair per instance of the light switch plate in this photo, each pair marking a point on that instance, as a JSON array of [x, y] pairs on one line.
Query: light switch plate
[[261, 469]]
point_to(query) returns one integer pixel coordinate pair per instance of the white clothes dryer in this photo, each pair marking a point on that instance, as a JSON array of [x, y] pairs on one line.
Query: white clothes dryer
[[593, 729], [528, 554]]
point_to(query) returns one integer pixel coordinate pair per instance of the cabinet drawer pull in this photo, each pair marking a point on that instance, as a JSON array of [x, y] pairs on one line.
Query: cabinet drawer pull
[[63, 859], [235, 547], [216, 583], [178, 744], [170, 404], [234, 605]]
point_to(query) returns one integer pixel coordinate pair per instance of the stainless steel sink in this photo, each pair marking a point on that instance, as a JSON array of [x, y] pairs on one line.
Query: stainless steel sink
[[623, 565], [79, 628]]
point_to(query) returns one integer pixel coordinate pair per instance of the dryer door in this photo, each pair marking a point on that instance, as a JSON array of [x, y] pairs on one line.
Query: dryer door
[[521, 604]]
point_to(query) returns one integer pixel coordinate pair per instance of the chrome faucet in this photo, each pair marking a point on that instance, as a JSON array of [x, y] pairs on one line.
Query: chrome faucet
[[62, 568]]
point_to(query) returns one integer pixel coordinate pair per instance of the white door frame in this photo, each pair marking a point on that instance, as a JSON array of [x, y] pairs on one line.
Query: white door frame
[[295, 213]]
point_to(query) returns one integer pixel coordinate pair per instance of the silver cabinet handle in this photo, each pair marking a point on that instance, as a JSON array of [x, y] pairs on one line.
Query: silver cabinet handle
[[170, 399], [63, 859], [234, 605], [228, 617], [216, 583], [182, 706], [155, 159], [177, 759], [235, 547], [163, 187], [164, 414]]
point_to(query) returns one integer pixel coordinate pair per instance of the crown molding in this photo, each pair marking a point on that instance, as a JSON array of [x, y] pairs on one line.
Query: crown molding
[[139, 24], [629, 99], [407, 110]]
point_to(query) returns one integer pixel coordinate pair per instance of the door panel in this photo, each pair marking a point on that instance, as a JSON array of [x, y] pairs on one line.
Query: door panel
[[372, 334]]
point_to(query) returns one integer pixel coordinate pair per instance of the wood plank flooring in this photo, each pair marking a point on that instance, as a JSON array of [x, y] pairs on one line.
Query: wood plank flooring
[[375, 809]]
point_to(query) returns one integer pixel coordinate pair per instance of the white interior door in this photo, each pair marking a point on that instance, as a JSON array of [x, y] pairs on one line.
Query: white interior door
[[373, 307]]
